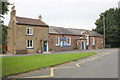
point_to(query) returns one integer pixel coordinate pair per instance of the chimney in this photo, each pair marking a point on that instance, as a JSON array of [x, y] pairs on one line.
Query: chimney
[[40, 17], [13, 12]]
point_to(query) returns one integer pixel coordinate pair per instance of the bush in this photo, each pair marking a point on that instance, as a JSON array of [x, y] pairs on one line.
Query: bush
[[94, 46], [51, 49], [76, 48], [107, 46]]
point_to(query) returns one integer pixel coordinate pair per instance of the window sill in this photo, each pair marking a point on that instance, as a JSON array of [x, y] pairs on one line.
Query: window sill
[[29, 35], [29, 48], [57, 45], [68, 44]]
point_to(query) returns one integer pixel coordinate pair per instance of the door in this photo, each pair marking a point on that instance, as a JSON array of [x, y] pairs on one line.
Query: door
[[82, 45], [45, 46]]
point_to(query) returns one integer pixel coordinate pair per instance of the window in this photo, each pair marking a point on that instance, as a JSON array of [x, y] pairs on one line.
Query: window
[[68, 41], [87, 39], [78, 43], [81, 32], [29, 43], [93, 41], [101, 41], [57, 41], [29, 31]]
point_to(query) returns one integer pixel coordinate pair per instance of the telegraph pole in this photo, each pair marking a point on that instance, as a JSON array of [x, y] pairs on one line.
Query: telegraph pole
[[104, 28]]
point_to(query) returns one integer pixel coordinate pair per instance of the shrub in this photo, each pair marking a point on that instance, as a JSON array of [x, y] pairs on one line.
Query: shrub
[[51, 49], [76, 48]]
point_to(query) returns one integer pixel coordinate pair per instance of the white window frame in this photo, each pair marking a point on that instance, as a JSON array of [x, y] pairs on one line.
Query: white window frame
[[28, 42], [81, 32], [30, 31], [57, 41], [93, 41], [68, 38], [78, 43], [87, 39]]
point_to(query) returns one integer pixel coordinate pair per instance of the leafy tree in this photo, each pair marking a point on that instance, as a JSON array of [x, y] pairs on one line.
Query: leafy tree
[[4, 38], [4, 7], [118, 22], [3, 28], [111, 26]]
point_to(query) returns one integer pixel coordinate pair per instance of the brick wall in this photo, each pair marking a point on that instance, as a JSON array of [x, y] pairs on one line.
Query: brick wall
[[58, 48]]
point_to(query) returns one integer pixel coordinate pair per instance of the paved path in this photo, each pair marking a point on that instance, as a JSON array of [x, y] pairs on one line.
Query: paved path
[[102, 65], [11, 55]]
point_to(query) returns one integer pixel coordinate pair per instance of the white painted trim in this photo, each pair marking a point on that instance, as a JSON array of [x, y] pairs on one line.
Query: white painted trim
[[93, 41], [87, 37], [69, 40], [47, 46], [58, 41], [29, 43], [78, 43], [30, 30], [84, 46]]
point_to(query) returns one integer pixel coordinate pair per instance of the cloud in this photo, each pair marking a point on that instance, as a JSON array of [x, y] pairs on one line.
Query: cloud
[[65, 13]]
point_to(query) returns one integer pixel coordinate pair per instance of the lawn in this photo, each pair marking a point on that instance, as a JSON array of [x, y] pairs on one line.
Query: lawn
[[14, 65]]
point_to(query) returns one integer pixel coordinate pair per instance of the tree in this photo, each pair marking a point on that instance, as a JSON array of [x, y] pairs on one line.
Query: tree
[[3, 28], [118, 22], [111, 26], [4, 7]]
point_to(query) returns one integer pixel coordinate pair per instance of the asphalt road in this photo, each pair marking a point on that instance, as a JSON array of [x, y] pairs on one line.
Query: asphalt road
[[102, 65]]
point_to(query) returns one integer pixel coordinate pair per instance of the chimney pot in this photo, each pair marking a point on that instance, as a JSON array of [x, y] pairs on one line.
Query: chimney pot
[[40, 17]]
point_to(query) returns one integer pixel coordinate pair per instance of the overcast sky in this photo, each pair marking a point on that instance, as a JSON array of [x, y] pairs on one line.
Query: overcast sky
[[80, 14]]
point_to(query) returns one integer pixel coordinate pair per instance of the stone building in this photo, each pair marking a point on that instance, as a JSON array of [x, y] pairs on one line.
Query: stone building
[[34, 35], [26, 34]]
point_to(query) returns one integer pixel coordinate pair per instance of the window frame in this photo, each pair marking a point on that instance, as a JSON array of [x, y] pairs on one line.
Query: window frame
[[30, 29], [57, 41], [28, 43], [93, 41], [78, 43], [87, 39], [68, 39]]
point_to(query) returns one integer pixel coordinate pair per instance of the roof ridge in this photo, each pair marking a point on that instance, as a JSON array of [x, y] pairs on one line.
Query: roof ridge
[[69, 28], [30, 21], [28, 18]]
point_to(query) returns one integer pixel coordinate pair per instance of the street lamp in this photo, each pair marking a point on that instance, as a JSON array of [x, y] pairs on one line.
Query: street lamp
[[104, 28]]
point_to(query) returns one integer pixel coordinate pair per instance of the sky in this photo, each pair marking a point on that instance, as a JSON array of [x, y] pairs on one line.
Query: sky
[[80, 14]]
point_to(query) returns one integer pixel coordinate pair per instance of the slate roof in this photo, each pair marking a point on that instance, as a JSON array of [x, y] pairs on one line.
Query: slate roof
[[93, 33], [54, 30], [61, 30], [29, 21], [71, 31]]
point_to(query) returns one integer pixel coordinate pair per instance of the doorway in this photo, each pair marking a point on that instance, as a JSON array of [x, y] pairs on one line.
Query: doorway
[[45, 46], [83, 45]]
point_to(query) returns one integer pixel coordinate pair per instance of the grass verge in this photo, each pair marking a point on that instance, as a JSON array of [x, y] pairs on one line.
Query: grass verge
[[15, 65]]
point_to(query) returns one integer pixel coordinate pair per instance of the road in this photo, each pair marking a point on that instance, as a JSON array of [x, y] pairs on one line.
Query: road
[[102, 65]]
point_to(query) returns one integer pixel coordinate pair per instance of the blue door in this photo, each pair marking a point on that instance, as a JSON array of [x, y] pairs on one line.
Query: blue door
[[82, 45], [45, 46]]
